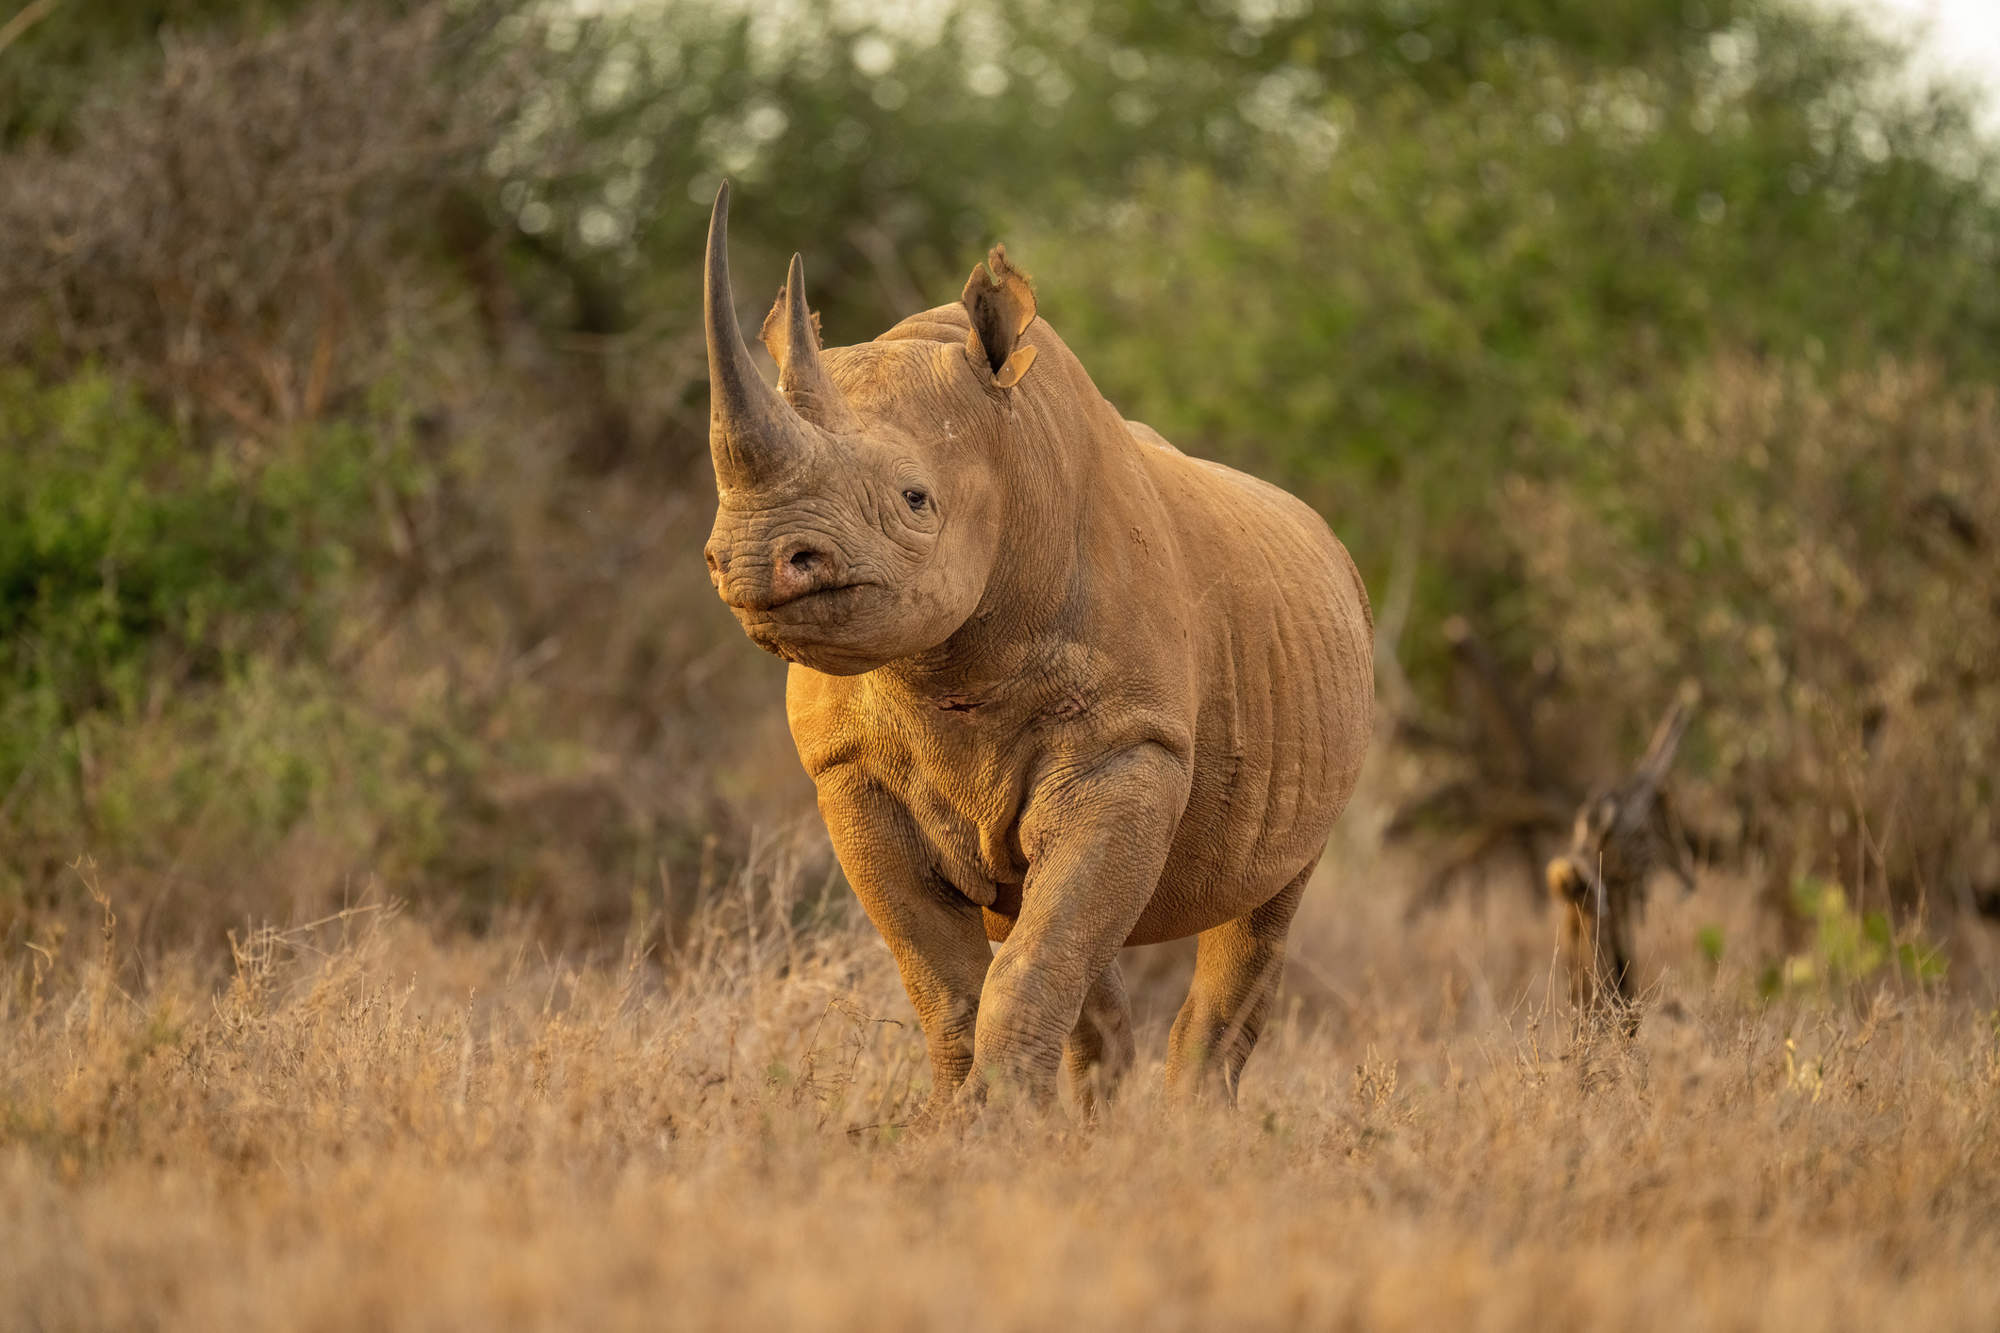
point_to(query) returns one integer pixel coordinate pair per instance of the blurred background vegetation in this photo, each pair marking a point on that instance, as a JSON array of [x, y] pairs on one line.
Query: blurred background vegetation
[[353, 407]]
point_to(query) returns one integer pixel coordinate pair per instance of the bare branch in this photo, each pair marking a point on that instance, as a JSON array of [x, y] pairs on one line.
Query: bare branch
[[28, 17]]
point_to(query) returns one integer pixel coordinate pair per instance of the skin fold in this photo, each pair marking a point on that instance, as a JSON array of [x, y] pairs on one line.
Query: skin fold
[[1061, 687]]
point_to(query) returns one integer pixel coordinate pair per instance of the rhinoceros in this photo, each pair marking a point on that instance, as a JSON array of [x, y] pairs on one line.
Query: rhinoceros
[[1061, 687]]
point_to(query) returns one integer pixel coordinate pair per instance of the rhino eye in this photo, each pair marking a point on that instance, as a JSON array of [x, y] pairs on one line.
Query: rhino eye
[[916, 500]]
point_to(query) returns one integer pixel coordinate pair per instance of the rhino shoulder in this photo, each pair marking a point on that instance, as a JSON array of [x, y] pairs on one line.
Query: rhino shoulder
[[942, 324], [1145, 434]]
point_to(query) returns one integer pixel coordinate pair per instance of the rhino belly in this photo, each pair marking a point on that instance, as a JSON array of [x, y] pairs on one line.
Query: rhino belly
[[1287, 702]]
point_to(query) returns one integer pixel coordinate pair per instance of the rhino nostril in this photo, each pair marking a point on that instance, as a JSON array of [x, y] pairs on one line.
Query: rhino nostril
[[800, 569]]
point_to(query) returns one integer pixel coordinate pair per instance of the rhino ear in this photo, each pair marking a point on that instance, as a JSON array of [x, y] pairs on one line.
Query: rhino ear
[[1001, 305]]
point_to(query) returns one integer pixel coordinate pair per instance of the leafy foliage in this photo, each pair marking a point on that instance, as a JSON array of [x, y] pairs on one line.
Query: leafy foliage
[[164, 612], [122, 551], [1846, 946], [1500, 267], [1814, 555], [62, 53]]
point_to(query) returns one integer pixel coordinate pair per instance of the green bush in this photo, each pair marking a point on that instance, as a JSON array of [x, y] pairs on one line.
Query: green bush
[[164, 611], [130, 556], [1845, 946], [1504, 266], [1816, 558]]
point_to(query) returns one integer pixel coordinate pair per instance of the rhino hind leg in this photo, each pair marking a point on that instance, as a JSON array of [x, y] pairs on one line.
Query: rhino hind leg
[[1100, 1050], [1237, 968]]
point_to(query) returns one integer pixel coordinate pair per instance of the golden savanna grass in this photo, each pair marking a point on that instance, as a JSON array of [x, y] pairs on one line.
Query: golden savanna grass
[[373, 1122]]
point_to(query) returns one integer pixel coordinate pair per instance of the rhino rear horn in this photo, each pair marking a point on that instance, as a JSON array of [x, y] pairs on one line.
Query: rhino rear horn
[[791, 335], [753, 434], [1001, 305]]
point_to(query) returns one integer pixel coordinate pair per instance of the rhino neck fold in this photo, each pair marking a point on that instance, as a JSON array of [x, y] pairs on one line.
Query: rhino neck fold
[[1022, 624], [1039, 596]]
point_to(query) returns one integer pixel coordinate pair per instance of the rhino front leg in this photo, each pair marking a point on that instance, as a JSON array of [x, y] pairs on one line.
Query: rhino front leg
[[1237, 968], [1100, 1051], [943, 977], [937, 936], [1096, 844]]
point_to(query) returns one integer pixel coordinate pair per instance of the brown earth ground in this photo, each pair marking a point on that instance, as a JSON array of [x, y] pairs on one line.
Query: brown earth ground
[[371, 1122]]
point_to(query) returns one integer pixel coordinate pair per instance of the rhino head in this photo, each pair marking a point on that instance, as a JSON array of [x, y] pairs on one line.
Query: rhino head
[[860, 502]]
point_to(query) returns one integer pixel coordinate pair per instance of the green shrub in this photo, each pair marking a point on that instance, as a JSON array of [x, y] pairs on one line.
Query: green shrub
[[129, 556], [1845, 946], [1816, 558], [165, 612]]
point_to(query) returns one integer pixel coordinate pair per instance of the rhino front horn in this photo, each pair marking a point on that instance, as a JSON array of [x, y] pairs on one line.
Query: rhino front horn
[[753, 434]]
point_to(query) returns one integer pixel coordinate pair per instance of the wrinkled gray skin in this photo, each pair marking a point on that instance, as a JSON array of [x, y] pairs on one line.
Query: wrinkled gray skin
[[1061, 687]]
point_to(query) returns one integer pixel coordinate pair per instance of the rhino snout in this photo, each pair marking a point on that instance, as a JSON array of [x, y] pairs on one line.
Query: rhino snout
[[766, 579]]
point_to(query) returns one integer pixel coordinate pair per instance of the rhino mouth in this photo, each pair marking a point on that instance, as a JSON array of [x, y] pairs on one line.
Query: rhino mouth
[[821, 609], [812, 600], [814, 629]]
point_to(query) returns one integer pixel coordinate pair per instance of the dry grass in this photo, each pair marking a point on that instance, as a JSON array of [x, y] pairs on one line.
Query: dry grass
[[370, 1122]]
